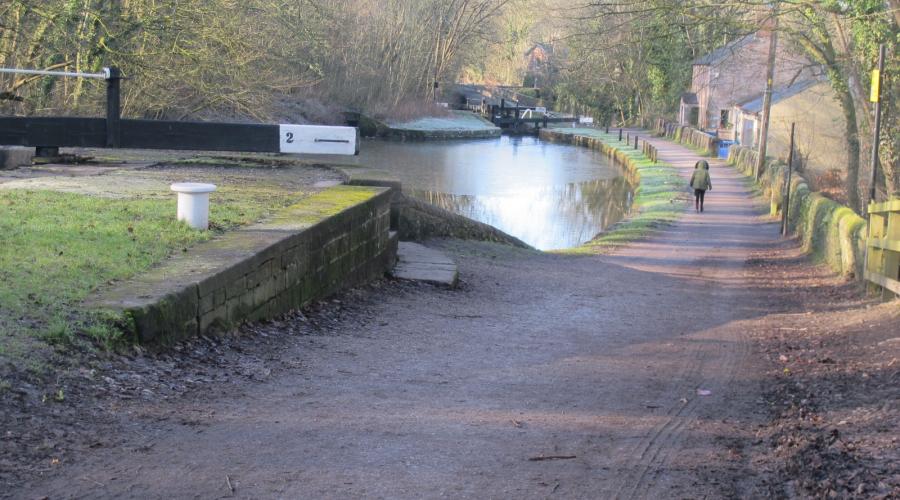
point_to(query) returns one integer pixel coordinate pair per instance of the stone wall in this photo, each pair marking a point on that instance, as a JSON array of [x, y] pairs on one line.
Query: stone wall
[[440, 135], [417, 220], [332, 240], [689, 136], [829, 231]]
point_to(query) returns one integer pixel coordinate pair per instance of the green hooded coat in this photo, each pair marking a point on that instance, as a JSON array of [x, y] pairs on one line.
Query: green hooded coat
[[700, 179]]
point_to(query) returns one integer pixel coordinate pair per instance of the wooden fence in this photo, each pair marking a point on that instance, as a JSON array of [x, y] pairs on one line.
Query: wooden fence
[[883, 258], [650, 151], [633, 141]]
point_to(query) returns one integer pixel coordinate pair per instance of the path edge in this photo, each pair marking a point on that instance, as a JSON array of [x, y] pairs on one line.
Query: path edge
[[660, 194]]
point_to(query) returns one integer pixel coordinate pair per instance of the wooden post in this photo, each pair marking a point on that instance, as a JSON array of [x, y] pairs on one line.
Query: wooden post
[[635, 141], [620, 134], [876, 96], [786, 204], [113, 108]]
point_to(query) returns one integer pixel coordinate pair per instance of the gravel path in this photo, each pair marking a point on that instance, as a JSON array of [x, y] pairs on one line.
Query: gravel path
[[622, 376]]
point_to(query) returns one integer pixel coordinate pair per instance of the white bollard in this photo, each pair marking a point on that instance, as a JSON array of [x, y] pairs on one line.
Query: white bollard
[[193, 203]]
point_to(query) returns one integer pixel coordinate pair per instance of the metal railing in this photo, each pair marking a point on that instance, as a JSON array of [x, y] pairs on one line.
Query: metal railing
[[113, 78], [105, 75], [883, 246]]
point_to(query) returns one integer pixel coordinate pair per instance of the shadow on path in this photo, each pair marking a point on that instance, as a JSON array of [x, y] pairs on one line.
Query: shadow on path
[[628, 375]]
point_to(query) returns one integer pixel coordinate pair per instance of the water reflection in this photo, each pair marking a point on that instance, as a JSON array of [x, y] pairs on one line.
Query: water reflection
[[548, 195], [547, 218]]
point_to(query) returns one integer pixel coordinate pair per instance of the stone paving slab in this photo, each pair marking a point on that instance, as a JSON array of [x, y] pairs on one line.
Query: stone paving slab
[[420, 263]]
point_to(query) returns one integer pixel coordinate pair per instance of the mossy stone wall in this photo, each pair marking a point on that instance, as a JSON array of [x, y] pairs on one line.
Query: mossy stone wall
[[332, 240], [707, 143], [829, 231]]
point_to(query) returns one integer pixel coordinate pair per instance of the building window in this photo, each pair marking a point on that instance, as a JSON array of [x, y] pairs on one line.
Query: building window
[[724, 122]]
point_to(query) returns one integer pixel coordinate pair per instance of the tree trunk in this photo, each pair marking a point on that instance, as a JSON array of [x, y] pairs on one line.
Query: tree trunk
[[852, 184]]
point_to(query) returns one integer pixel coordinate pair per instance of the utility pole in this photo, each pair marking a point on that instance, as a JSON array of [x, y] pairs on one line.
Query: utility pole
[[786, 205], [877, 83], [767, 97]]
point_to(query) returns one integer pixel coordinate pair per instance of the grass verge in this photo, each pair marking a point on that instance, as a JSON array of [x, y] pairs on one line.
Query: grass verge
[[660, 197], [59, 247]]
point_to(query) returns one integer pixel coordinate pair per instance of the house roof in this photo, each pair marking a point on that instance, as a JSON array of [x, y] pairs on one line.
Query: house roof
[[755, 105], [724, 51]]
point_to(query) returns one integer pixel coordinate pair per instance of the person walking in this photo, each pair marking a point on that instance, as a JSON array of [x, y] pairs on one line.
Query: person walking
[[701, 182]]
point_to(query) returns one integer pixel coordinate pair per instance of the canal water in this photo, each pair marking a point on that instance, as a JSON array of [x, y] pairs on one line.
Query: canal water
[[551, 196]]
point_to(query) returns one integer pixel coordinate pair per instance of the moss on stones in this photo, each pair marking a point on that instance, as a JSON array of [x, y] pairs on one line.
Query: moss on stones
[[832, 233]]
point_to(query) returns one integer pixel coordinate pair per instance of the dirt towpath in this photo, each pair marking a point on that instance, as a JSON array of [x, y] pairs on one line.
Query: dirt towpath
[[621, 376]]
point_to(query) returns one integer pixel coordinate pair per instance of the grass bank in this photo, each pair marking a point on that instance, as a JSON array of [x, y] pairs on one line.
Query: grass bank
[[456, 125], [660, 195], [60, 246]]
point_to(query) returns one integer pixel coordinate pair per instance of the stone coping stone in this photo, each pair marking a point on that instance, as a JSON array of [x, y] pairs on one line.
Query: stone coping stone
[[365, 176], [419, 263], [15, 156], [178, 282]]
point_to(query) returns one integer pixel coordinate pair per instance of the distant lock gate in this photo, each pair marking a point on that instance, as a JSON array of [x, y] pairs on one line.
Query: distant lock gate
[[114, 132]]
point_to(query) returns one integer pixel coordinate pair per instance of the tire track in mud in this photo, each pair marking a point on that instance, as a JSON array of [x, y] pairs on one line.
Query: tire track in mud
[[645, 457], [479, 379], [654, 454], [670, 445]]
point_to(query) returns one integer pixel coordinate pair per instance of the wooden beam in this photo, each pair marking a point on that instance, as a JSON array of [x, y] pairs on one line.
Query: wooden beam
[[884, 282], [198, 136]]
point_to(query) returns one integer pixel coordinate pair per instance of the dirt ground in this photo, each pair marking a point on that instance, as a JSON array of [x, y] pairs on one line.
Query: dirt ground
[[710, 361]]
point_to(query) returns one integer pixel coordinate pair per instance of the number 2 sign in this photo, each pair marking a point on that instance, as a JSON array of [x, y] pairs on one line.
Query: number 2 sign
[[318, 139]]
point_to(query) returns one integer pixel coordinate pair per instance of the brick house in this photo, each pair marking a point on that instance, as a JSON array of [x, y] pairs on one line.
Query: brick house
[[733, 74]]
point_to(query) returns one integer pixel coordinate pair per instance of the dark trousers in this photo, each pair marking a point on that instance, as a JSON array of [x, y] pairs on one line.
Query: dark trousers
[[698, 198]]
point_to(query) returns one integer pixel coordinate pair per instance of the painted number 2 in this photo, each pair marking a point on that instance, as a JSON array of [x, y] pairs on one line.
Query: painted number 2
[[290, 137]]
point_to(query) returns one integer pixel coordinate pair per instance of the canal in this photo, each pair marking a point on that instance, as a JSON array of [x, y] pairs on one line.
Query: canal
[[551, 196]]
